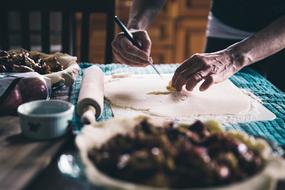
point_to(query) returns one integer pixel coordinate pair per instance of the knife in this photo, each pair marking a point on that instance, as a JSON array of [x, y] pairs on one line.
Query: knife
[[156, 70], [130, 37]]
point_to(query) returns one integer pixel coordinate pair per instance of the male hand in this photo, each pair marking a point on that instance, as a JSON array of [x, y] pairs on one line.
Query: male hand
[[125, 52], [210, 67]]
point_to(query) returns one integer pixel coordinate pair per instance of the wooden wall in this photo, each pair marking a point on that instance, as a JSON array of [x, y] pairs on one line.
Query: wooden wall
[[177, 33]]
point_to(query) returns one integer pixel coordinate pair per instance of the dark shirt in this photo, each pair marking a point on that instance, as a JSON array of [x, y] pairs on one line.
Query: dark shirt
[[248, 15]]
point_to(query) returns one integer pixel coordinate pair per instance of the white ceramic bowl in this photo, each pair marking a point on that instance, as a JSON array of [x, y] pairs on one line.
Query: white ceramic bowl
[[45, 119], [97, 134]]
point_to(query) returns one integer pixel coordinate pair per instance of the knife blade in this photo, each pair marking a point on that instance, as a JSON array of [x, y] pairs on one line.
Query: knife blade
[[156, 70]]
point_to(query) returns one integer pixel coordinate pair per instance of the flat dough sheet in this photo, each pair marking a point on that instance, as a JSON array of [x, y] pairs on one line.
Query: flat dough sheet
[[147, 93]]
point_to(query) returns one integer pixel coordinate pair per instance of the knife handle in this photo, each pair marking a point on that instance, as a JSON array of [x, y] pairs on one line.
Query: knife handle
[[127, 33]]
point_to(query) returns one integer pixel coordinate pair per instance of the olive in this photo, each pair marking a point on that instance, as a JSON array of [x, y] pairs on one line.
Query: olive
[[3, 69], [200, 129], [166, 156], [3, 53]]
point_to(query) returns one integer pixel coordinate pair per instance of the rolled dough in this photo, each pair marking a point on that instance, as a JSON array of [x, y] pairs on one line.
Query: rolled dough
[[148, 93]]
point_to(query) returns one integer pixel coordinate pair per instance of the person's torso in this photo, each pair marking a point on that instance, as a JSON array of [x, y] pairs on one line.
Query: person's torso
[[248, 15]]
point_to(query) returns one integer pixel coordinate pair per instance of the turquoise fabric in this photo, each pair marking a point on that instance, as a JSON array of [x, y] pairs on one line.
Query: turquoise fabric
[[271, 97]]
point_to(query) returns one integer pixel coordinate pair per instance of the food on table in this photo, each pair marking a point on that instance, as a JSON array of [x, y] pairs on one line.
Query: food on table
[[170, 88], [17, 90], [24, 74], [183, 156], [59, 67], [21, 60]]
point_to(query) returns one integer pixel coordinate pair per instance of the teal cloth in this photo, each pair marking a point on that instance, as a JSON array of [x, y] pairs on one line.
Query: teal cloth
[[272, 98]]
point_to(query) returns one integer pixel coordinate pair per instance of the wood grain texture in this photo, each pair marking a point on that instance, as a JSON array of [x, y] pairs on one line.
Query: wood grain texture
[[68, 28], [21, 159]]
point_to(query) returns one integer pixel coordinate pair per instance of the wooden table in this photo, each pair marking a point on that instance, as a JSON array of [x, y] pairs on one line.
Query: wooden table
[[33, 164], [21, 159]]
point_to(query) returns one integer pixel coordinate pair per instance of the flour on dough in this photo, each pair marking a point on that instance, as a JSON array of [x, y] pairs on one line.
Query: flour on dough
[[148, 92]]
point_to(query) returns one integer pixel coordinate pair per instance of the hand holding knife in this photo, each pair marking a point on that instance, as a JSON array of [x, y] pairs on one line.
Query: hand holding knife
[[130, 37]]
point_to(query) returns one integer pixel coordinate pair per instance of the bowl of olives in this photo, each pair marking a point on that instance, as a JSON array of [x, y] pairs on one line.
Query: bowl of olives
[[141, 153]]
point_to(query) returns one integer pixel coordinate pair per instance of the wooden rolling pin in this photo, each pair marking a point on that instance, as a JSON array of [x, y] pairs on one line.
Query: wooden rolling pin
[[91, 96]]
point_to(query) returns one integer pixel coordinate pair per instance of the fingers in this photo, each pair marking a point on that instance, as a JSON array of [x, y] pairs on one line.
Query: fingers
[[126, 52], [128, 59], [128, 47], [210, 67], [144, 39], [182, 74], [180, 70], [123, 56], [182, 79], [209, 81], [197, 77], [193, 63], [186, 73]]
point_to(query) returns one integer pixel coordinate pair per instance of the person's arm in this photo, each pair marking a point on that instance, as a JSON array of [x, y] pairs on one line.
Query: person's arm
[[267, 42], [141, 15], [218, 66]]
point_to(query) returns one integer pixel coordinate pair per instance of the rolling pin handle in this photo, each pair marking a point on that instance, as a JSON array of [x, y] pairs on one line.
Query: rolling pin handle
[[88, 116]]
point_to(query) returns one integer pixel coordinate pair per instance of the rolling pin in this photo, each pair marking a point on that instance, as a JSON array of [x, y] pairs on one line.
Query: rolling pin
[[91, 96]]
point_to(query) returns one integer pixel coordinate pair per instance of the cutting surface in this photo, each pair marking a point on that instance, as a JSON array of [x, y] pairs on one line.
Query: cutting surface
[[148, 93]]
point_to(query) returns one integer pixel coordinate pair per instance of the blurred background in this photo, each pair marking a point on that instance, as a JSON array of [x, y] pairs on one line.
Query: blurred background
[[177, 33], [179, 30]]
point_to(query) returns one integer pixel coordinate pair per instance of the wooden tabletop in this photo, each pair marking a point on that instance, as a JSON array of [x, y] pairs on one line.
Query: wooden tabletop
[[26, 164], [21, 159]]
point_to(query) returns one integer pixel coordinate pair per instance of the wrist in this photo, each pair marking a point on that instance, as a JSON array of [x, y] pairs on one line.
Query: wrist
[[238, 56], [138, 23], [133, 25]]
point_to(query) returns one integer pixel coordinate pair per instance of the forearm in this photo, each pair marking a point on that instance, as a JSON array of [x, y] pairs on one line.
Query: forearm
[[143, 12], [264, 43]]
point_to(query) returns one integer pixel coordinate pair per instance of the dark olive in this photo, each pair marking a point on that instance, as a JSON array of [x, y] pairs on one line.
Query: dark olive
[[186, 156], [3, 53], [3, 69]]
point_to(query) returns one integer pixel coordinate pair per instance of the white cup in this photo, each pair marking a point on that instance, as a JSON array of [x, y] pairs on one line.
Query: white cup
[[45, 119]]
